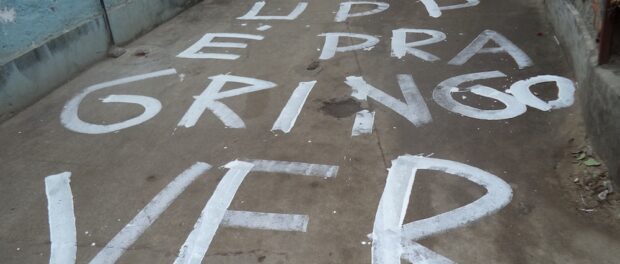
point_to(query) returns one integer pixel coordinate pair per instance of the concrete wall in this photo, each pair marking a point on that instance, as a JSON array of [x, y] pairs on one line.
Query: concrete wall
[[33, 22], [130, 18], [43, 43], [591, 14], [599, 86]]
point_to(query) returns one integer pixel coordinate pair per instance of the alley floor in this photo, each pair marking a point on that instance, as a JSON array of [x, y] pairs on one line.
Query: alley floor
[[308, 132]]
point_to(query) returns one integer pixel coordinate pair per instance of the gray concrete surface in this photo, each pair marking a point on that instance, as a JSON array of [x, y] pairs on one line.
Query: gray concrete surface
[[114, 175], [600, 89]]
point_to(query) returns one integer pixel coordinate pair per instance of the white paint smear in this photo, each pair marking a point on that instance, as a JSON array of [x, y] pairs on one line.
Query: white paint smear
[[400, 46], [263, 28], [363, 123], [345, 9], [266, 221], [414, 110], [291, 110], [443, 96], [386, 233], [504, 46], [216, 212], [498, 195], [434, 10], [148, 215], [7, 15], [198, 241], [393, 241], [208, 99], [61, 218], [71, 120], [566, 92], [258, 6], [194, 51], [298, 168], [332, 39], [418, 254]]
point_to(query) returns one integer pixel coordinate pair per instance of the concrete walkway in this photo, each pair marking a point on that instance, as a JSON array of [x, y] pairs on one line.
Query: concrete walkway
[[224, 136]]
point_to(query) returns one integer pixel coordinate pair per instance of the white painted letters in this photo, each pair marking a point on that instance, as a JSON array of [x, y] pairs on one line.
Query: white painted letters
[[210, 96], [291, 110], [148, 215], [216, 213], [566, 90], [193, 52], [198, 241], [414, 109], [61, 217], [400, 46], [364, 121], [331, 43], [266, 221], [258, 6], [443, 96], [393, 241], [505, 46], [434, 10], [345, 9]]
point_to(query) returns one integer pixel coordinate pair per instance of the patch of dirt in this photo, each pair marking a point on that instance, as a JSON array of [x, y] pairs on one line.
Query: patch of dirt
[[341, 107], [141, 52], [587, 181]]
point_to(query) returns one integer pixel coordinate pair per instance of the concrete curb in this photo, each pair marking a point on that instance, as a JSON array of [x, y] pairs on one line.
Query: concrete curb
[[599, 86], [132, 18], [34, 74], [29, 77]]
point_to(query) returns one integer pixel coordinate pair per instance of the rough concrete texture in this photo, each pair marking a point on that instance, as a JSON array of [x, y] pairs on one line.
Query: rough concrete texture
[[600, 89], [603, 113], [114, 175], [590, 11]]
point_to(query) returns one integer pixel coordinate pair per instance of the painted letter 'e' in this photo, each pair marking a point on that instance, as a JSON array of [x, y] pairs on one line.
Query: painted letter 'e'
[[193, 52]]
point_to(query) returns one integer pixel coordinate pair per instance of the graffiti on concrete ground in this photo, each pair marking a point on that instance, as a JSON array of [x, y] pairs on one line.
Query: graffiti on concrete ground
[[392, 239]]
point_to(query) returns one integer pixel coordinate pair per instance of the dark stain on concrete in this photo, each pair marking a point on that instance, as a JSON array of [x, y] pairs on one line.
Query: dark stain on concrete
[[151, 178], [341, 107], [525, 208], [313, 65]]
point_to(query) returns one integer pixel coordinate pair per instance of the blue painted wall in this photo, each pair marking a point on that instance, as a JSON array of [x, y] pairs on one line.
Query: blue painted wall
[[37, 21], [43, 43]]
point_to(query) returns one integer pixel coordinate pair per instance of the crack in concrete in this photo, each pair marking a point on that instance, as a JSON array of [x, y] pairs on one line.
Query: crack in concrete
[[361, 73]]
